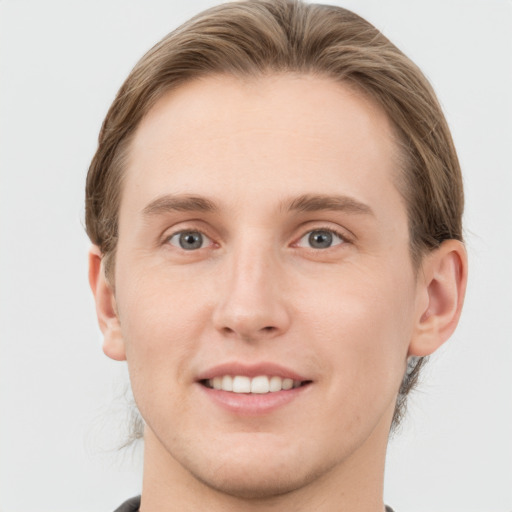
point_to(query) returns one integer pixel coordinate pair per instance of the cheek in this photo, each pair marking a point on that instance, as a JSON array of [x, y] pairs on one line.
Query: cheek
[[363, 322], [161, 321], [161, 327], [361, 302]]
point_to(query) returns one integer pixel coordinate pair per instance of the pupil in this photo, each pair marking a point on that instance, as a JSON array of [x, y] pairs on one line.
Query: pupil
[[320, 239], [191, 240]]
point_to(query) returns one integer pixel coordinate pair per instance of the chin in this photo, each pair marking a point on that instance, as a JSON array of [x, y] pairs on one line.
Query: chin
[[259, 472], [257, 484]]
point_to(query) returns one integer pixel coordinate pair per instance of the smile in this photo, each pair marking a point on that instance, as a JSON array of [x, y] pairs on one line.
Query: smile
[[260, 384]]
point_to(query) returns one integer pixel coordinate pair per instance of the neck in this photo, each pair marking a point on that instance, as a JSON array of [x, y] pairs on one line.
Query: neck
[[355, 484]]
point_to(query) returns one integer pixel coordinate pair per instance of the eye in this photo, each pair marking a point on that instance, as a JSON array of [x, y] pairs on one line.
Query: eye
[[320, 239], [189, 240]]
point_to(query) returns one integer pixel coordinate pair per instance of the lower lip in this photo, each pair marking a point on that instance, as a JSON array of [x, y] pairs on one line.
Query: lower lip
[[253, 404]]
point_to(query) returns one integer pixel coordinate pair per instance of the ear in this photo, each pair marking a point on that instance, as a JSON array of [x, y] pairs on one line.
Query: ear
[[442, 282], [108, 320]]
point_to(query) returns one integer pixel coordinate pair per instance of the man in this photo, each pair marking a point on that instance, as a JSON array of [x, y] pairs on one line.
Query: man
[[275, 207]]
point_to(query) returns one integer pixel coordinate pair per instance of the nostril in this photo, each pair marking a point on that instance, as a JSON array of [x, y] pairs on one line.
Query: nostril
[[269, 330]]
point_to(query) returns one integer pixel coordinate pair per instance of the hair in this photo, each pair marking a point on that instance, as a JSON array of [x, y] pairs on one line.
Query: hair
[[255, 38]]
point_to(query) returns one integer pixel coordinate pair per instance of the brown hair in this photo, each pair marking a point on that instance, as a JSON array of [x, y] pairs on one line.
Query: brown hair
[[256, 37]]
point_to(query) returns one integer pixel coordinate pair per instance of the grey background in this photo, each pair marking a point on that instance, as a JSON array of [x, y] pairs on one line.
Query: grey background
[[62, 411]]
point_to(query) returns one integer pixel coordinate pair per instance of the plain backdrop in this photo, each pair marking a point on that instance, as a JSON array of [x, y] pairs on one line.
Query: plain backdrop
[[62, 406]]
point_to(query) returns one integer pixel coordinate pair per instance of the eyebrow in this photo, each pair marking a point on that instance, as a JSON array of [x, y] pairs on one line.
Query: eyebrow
[[179, 203], [304, 203], [322, 202]]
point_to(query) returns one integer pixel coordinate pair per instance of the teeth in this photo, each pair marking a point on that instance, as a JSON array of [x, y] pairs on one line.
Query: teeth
[[276, 384], [241, 384], [227, 383], [259, 385], [287, 383]]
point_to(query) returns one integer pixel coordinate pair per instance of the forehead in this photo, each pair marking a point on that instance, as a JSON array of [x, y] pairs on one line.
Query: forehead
[[261, 139]]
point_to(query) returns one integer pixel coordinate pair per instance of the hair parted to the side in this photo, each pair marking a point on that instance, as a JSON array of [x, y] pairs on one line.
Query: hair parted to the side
[[259, 37]]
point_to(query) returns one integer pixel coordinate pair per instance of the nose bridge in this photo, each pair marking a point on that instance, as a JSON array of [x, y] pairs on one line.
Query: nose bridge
[[252, 266], [252, 299]]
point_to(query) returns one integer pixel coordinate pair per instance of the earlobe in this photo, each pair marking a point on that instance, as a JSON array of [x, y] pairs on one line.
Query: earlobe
[[442, 286], [108, 320]]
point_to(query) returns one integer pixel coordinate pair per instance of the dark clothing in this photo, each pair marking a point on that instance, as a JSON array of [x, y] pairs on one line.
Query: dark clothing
[[133, 504]]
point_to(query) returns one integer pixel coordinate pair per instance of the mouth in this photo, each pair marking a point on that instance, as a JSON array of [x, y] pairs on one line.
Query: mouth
[[253, 389], [259, 385]]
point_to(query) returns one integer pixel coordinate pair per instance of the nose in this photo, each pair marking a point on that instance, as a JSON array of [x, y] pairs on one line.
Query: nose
[[252, 304]]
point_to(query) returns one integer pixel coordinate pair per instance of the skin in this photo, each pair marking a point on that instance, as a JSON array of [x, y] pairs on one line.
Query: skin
[[346, 316]]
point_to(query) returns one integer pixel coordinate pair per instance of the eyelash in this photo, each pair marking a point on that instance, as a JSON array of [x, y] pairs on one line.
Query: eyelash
[[342, 237]]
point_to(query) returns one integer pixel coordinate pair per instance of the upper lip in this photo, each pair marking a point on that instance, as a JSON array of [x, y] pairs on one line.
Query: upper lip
[[250, 370]]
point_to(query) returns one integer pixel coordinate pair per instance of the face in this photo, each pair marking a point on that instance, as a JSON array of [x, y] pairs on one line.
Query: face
[[263, 284]]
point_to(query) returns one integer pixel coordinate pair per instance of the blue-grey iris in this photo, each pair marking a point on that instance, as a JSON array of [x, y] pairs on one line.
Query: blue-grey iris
[[320, 239], [190, 240]]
